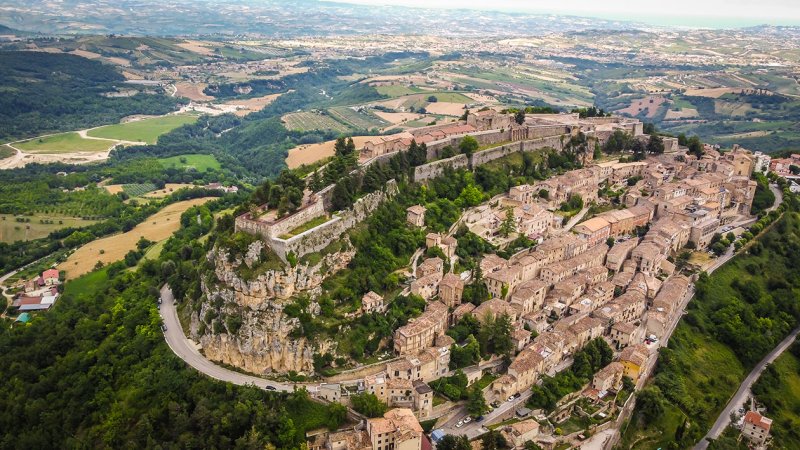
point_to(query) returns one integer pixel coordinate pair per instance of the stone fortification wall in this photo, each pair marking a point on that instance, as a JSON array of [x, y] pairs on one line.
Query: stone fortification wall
[[541, 131], [268, 230], [321, 236], [483, 157], [483, 137], [436, 168]]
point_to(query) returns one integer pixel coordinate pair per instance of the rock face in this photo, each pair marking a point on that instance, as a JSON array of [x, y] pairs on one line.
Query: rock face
[[242, 322]]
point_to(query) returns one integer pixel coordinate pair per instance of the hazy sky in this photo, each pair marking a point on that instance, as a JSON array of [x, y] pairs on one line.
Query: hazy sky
[[711, 13]]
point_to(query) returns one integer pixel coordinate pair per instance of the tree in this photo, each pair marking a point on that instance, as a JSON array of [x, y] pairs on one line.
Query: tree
[[337, 415], [432, 99], [368, 405], [341, 198], [470, 196], [519, 117], [468, 145], [655, 146], [610, 242], [508, 225], [476, 404], [450, 442], [695, 146], [650, 403], [493, 440]]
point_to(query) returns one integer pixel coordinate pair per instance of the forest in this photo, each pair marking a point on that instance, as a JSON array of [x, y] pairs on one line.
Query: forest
[[48, 92]]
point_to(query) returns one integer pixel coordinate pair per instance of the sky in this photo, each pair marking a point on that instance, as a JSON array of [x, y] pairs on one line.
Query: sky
[[693, 13]]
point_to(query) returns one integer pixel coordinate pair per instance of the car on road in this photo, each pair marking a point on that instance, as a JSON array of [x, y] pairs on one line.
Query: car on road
[[510, 399], [460, 424], [164, 328], [479, 419], [270, 388], [517, 395], [495, 404], [159, 300], [467, 419]]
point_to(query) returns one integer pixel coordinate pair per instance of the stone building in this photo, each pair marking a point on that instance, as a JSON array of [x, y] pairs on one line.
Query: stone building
[[415, 215], [420, 333]]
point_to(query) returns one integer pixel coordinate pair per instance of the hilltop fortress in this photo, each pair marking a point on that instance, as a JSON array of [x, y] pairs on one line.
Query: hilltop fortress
[[498, 131]]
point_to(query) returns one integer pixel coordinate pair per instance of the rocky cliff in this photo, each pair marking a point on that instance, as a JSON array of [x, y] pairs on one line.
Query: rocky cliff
[[240, 319]]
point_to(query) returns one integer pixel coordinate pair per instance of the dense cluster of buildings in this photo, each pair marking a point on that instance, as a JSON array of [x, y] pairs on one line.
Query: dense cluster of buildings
[[611, 276]]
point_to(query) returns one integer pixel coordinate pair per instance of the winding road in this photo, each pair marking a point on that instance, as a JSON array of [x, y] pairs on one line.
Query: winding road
[[741, 395], [187, 351]]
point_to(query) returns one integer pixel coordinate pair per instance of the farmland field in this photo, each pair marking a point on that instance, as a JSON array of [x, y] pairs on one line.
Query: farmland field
[[357, 119], [169, 188], [397, 91], [200, 163], [155, 228], [138, 189], [144, 130], [307, 121], [11, 230], [311, 153], [6, 151], [63, 143]]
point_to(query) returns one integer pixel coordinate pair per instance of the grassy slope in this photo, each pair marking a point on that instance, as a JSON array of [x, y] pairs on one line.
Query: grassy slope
[[11, 230], [783, 399], [145, 130], [63, 143], [200, 162]]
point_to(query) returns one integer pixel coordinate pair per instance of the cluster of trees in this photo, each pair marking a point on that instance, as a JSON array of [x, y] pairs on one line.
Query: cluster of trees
[[591, 111], [47, 92], [492, 440], [694, 144], [285, 193], [763, 198], [480, 339], [368, 404], [593, 357], [620, 141]]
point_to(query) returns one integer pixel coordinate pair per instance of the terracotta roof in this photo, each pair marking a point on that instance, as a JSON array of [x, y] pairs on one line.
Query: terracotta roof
[[755, 418]]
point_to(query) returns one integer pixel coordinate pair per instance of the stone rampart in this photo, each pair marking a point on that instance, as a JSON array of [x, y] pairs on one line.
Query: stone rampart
[[319, 237], [271, 229], [437, 168], [491, 154]]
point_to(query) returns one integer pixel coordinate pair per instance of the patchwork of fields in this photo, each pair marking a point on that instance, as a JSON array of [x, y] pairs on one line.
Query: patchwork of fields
[[113, 248]]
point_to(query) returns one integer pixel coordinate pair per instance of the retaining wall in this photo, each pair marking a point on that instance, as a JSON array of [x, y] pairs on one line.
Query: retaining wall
[[321, 236], [437, 168]]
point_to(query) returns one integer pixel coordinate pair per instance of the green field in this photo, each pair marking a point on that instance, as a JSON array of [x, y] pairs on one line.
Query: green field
[[63, 143], [6, 152], [200, 163], [778, 388], [11, 230], [307, 121], [398, 91], [362, 120], [145, 130]]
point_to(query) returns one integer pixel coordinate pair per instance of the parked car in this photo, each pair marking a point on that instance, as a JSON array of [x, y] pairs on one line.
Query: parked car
[[270, 388], [163, 328], [510, 398], [517, 395], [467, 419], [479, 419], [460, 424]]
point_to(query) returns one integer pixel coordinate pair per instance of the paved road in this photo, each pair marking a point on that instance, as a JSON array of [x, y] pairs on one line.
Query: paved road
[[186, 350], [577, 218], [475, 429], [744, 389]]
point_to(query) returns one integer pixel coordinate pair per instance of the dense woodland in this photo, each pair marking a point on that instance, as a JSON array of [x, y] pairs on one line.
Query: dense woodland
[[47, 92]]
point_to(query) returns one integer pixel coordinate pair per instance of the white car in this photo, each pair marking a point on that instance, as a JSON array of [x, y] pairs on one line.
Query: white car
[[460, 424], [467, 419], [511, 398]]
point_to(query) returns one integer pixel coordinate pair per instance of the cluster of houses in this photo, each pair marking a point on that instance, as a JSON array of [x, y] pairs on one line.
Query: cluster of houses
[[38, 294], [610, 276]]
